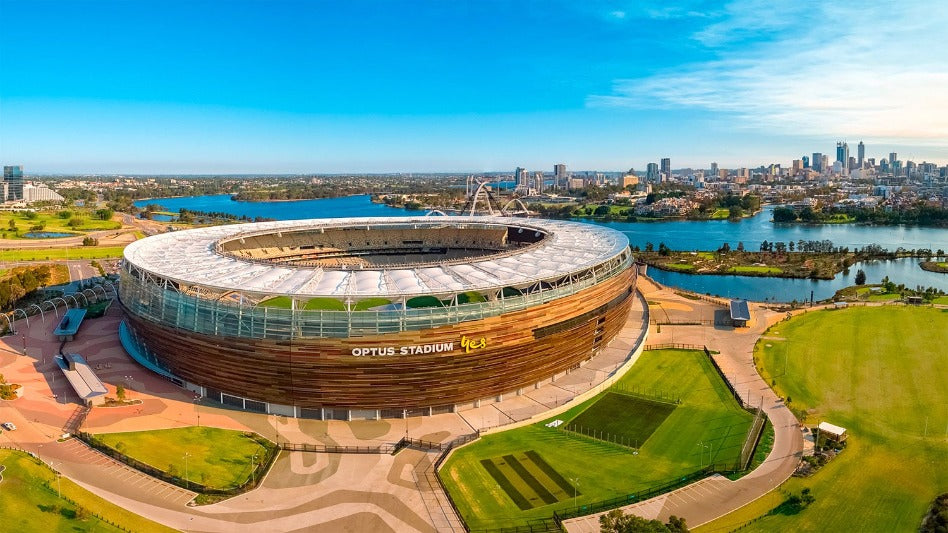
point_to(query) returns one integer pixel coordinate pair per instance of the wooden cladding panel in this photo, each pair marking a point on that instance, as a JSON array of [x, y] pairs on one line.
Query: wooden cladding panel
[[312, 372]]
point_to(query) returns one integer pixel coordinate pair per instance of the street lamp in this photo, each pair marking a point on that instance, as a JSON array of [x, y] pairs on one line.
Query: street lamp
[[575, 481], [187, 481], [253, 469], [197, 402], [59, 487]]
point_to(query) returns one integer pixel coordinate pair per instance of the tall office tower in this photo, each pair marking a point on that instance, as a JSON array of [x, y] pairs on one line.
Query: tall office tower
[[842, 155], [666, 168], [538, 181], [893, 157], [806, 161], [714, 169], [817, 161], [559, 175], [797, 167], [852, 163], [521, 180], [13, 182], [861, 152], [884, 165], [651, 173], [824, 162]]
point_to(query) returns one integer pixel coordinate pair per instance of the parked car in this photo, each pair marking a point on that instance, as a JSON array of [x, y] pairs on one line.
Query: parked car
[[9, 426]]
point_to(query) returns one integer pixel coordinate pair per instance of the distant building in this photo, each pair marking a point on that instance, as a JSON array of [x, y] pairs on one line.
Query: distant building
[[629, 180], [893, 157], [714, 169], [806, 162], [842, 156], [861, 152], [666, 168], [651, 174], [13, 183], [818, 162], [40, 193], [559, 176]]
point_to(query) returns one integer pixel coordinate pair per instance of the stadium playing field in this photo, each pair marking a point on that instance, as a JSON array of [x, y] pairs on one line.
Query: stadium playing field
[[528, 479], [880, 373], [600, 470], [622, 418]]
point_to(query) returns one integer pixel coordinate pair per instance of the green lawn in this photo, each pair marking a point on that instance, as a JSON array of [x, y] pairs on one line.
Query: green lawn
[[623, 418], [680, 267], [707, 414], [52, 222], [29, 502], [313, 304], [755, 270], [943, 300], [720, 214], [219, 458], [81, 252], [880, 373]]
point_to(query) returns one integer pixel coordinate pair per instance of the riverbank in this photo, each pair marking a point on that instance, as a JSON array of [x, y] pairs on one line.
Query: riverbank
[[800, 265], [935, 266]]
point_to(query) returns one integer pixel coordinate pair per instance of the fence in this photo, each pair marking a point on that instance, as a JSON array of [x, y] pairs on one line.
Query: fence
[[600, 435], [674, 345], [628, 499], [257, 469]]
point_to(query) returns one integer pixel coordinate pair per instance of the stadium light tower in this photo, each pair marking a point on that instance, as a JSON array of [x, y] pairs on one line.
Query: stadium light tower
[[575, 488]]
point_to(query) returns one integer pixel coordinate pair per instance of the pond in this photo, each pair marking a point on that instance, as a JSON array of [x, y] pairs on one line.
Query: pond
[[48, 235]]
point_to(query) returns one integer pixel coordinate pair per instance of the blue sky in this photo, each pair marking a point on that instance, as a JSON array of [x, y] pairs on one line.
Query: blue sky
[[285, 87]]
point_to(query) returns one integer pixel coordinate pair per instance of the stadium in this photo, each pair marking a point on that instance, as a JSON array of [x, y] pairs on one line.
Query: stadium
[[373, 317]]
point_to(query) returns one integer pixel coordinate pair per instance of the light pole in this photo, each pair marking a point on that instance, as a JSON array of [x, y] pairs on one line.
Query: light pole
[[59, 487], [575, 481], [187, 481], [197, 402], [701, 457], [253, 469]]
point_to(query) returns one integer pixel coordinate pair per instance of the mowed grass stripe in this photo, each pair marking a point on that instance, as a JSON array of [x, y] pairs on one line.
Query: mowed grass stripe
[[541, 476], [551, 473], [628, 417], [535, 484], [505, 484]]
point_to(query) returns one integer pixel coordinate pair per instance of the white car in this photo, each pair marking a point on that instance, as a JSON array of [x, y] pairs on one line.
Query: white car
[[9, 426]]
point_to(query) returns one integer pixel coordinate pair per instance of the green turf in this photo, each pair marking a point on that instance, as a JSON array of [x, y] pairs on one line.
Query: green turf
[[622, 418], [708, 414], [313, 304], [81, 252], [29, 501], [471, 297], [528, 480], [755, 270], [52, 222], [424, 301], [720, 214], [219, 458], [369, 303], [880, 373], [683, 267]]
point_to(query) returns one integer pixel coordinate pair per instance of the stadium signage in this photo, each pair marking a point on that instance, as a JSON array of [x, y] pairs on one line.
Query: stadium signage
[[439, 347], [416, 349]]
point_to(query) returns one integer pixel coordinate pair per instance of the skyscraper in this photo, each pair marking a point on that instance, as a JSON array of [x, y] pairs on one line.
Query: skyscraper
[[818, 161], [842, 155], [559, 175], [714, 169], [893, 157], [666, 168], [651, 173], [806, 161], [861, 153], [13, 182]]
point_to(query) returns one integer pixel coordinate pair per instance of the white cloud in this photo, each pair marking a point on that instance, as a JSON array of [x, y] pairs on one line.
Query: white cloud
[[874, 71]]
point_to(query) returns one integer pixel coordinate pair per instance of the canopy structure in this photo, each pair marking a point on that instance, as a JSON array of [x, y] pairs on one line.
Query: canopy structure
[[740, 312], [194, 258]]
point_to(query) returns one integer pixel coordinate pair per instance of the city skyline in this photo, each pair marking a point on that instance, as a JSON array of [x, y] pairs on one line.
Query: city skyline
[[117, 87]]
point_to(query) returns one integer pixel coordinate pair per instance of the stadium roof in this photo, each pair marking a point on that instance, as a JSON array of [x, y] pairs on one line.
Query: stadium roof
[[190, 257]]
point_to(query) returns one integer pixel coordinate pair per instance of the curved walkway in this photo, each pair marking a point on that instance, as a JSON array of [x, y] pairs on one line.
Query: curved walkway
[[716, 496]]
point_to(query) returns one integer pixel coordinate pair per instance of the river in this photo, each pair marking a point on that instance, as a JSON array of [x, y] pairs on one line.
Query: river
[[679, 235]]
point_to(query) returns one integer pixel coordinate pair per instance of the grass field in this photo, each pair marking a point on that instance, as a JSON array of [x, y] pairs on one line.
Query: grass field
[[622, 417], [82, 252], [707, 414], [680, 267], [755, 270], [52, 222], [219, 458], [720, 214], [29, 502], [528, 480], [880, 373]]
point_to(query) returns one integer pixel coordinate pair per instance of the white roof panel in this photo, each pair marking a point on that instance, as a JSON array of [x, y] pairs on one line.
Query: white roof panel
[[191, 257]]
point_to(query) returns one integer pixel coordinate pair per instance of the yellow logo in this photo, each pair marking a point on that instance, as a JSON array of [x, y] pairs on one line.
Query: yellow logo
[[473, 344]]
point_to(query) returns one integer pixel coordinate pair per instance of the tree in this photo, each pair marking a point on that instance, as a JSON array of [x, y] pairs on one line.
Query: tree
[[615, 521], [740, 246], [601, 211], [120, 392], [860, 277], [784, 214], [649, 247], [725, 248], [663, 249], [12, 225]]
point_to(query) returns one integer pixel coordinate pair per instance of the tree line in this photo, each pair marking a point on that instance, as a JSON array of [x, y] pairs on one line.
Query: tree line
[[21, 281]]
